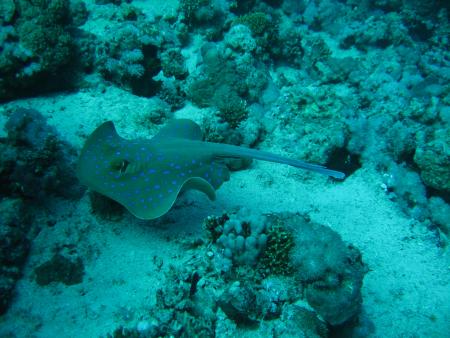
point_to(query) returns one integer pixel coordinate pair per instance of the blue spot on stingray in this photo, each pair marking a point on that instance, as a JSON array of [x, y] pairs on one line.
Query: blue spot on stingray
[[174, 182], [157, 186], [194, 161], [152, 171], [166, 172], [177, 167]]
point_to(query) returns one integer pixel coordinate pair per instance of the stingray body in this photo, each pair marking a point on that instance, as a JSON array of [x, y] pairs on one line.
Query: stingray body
[[146, 175]]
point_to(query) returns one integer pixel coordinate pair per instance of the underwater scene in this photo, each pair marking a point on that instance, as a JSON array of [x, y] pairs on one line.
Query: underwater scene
[[212, 168]]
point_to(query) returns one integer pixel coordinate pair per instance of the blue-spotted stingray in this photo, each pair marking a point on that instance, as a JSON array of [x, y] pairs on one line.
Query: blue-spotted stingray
[[147, 175]]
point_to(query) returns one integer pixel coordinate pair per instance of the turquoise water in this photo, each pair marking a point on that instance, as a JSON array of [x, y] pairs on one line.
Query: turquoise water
[[360, 88]]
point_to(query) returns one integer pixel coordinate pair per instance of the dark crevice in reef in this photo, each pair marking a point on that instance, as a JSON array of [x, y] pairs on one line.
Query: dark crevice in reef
[[342, 160], [145, 86], [432, 192]]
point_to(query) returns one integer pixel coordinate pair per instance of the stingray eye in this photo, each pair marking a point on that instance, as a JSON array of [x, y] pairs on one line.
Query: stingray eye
[[120, 166], [123, 166]]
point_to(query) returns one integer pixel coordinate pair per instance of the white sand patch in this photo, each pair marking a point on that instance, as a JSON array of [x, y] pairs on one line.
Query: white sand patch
[[122, 274], [76, 115]]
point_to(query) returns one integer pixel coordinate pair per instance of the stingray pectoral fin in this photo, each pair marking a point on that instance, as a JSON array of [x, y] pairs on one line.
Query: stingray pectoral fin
[[96, 150], [161, 206], [181, 129], [200, 184], [156, 206]]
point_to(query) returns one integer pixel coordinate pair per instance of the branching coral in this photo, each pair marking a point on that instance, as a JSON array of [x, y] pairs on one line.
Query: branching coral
[[276, 256], [38, 47], [130, 58], [35, 162]]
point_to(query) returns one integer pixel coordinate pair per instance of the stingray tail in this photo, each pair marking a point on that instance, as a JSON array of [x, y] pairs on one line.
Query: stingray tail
[[227, 151]]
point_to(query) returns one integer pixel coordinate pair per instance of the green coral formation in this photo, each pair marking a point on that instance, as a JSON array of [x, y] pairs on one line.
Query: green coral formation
[[258, 22], [276, 256]]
